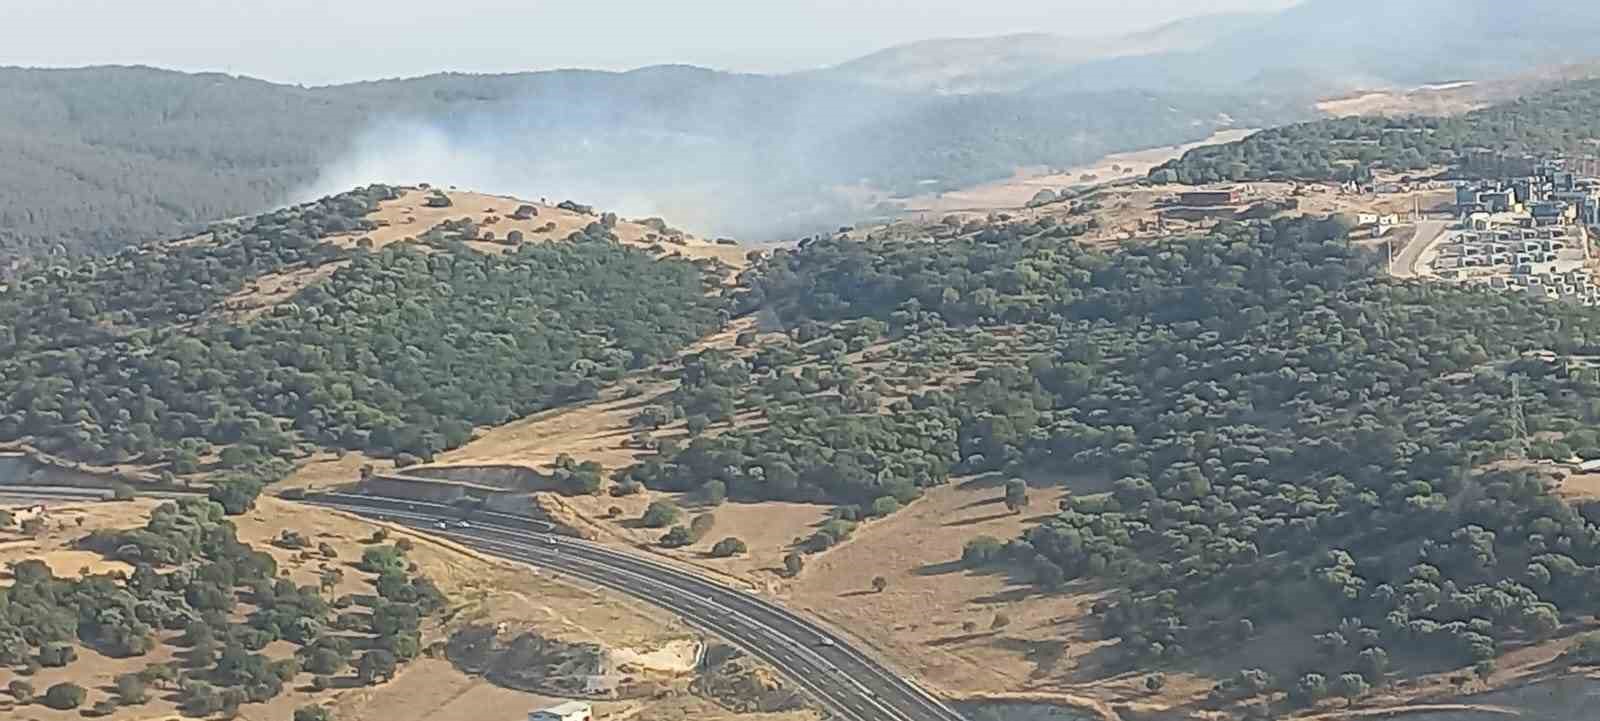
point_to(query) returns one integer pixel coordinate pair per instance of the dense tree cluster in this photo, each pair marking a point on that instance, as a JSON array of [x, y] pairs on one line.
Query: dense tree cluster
[[1553, 122], [828, 436], [192, 574], [398, 351], [1263, 427]]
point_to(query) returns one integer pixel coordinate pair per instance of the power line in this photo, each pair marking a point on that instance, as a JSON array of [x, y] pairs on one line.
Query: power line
[[1519, 423]]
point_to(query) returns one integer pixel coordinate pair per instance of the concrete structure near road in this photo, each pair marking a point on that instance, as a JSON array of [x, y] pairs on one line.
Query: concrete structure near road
[[1210, 197], [569, 711]]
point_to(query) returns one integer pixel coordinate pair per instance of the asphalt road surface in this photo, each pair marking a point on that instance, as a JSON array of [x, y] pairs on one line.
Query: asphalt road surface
[[844, 681], [1426, 234]]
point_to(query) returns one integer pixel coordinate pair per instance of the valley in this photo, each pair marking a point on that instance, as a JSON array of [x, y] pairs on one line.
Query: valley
[[1245, 367]]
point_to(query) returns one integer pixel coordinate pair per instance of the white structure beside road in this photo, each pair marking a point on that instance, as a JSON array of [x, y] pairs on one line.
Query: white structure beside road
[[569, 711]]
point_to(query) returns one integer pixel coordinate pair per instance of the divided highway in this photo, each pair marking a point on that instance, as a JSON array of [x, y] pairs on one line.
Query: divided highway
[[844, 681]]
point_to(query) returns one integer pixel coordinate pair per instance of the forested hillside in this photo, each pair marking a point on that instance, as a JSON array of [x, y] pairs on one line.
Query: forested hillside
[[1265, 436], [1563, 120], [398, 351], [246, 630], [99, 159]]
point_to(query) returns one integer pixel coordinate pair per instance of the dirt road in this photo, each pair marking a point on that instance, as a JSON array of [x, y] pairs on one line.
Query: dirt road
[[1406, 263]]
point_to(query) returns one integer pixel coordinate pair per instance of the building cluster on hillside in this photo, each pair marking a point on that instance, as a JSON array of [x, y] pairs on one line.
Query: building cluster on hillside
[[1552, 196], [1527, 233]]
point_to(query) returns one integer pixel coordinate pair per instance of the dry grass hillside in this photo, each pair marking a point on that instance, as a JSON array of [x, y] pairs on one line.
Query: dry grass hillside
[[1122, 213], [410, 216], [1016, 191], [985, 636], [650, 653]]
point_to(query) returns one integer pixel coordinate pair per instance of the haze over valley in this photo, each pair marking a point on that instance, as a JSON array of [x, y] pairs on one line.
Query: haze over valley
[[116, 155], [1152, 361]]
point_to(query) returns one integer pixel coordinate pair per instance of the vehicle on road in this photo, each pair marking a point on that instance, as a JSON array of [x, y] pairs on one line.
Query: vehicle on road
[[826, 643]]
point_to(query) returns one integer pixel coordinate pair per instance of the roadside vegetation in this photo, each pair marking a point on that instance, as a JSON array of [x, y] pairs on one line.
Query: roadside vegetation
[[195, 587]]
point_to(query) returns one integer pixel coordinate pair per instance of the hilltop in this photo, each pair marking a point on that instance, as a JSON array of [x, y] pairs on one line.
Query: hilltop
[[384, 320], [107, 157], [1015, 62]]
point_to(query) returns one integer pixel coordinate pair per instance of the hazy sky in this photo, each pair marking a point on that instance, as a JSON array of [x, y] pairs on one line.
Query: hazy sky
[[322, 41]]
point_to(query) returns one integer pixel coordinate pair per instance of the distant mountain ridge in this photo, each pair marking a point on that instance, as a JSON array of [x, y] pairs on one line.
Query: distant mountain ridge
[[1326, 46], [1010, 63], [1318, 47], [101, 158]]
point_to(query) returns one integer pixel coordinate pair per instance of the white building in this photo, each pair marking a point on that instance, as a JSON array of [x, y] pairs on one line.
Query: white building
[[569, 711]]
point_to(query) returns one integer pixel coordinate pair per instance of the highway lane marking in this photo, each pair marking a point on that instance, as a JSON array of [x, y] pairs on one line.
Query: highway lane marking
[[608, 561], [429, 523], [705, 620]]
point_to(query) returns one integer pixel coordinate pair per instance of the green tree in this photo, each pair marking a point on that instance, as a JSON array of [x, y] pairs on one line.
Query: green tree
[[1016, 496], [57, 655], [660, 514], [677, 537], [1352, 686], [729, 547], [65, 696], [713, 493], [383, 559], [131, 689], [981, 550], [793, 564], [376, 666]]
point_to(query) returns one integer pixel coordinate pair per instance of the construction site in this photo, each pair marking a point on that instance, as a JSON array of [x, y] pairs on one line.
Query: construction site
[[1524, 234]]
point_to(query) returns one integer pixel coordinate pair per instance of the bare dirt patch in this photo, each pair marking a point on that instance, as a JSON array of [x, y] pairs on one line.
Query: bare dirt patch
[[261, 294], [921, 619], [1580, 486], [1016, 191], [327, 470], [1453, 99], [596, 431], [409, 217]]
